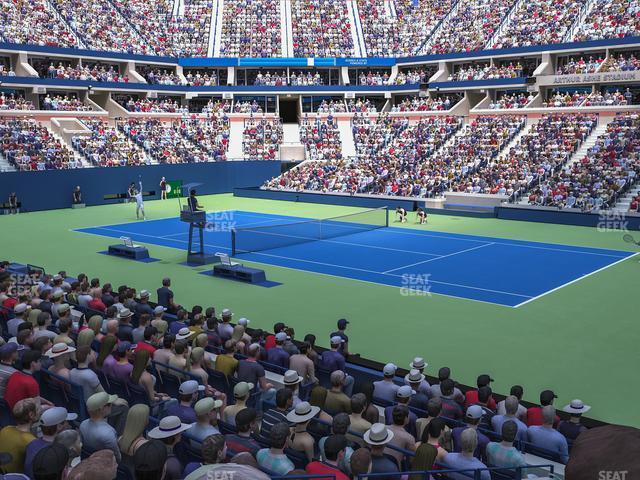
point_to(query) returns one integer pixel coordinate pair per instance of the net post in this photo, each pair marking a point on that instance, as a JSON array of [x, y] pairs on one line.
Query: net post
[[386, 216], [233, 242]]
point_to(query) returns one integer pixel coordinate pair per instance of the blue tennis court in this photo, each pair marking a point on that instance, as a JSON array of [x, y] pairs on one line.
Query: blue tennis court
[[420, 262]]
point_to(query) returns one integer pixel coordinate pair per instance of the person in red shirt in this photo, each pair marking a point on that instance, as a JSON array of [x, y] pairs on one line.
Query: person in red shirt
[[270, 340], [471, 397], [150, 340], [534, 414], [21, 384], [334, 451], [96, 303]]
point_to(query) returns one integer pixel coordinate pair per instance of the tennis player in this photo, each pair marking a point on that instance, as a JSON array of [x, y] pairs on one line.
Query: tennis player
[[421, 215], [401, 213], [163, 189], [139, 202]]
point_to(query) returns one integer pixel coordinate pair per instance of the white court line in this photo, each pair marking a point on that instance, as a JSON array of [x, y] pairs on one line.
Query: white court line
[[439, 258], [227, 231], [575, 280], [346, 268]]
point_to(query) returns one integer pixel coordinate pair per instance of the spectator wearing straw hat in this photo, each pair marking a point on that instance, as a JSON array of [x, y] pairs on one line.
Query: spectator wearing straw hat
[[420, 365], [273, 459], [277, 355], [169, 432], [143, 307], [125, 330], [377, 438], [301, 440], [572, 428], [96, 433], [207, 410], [187, 393], [465, 460], [386, 389], [419, 399], [241, 393]]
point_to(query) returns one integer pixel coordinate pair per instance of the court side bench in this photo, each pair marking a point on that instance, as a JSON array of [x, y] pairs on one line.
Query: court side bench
[[135, 252], [236, 271]]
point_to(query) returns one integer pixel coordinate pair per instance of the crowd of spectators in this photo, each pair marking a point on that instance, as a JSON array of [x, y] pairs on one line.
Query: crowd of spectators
[[486, 72], [539, 22], [247, 107], [321, 138], [186, 141], [622, 62], [595, 182], [251, 29], [609, 99], [6, 70], [470, 27], [269, 80], [95, 72], [321, 28], [30, 146], [557, 99], [12, 101], [373, 78], [361, 105], [331, 106], [511, 100], [217, 106], [424, 104], [541, 151], [261, 138], [155, 76], [107, 147], [413, 77], [64, 103], [305, 79], [153, 105], [572, 66], [204, 79], [227, 419], [609, 19], [33, 22]]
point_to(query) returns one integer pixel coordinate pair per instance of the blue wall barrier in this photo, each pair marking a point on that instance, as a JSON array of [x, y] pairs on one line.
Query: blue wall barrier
[[52, 189], [605, 221]]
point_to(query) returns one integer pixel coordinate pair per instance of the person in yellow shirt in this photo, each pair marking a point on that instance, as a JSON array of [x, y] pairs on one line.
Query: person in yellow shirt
[[227, 363], [14, 439]]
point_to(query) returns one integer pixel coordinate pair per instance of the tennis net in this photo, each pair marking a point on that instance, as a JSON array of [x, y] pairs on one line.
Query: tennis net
[[268, 237]]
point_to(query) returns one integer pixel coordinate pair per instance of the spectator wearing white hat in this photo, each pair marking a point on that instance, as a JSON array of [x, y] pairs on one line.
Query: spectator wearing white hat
[[472, 418], [572, 428], [277, 355], [240, 331], [225, 329], [333, 360], [158, 321], [60, 353], [169, 432], [241, 393], [377, 438], [187, 394], [291, 381], [125, 330], [545, 436], [143, 306], [301, 440], [403, 397], [511, 410], [419, 364], [465, 459], [386, 389], [207, 411], [337, 401], [52, 422], [419, 399], [20, 312], [96, 433]]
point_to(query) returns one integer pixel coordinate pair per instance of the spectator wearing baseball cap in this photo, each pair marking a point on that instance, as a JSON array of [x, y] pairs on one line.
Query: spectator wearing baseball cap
[[241, 392], [15, 439], [334, 454], [169, 432], [225, 329], [534, 414], [572, 428], [207, 411], [8, 356], [158, 320], [511, 410], [465, 459], [343, 348], [20, 312], [270, 341], [50, 462], [403, 397], [123, 367], [278, 355], [187, 394], [386, 389], [302, 441], [472, 418], [336, 401], [504, 454], [96, 432], [333, 360], [52, 421], [517, 391], [246, 425], [443, 374], [273, 459], [419, 364], [377, 438], [22, 384], [149, 460], [545, 436], [471, 396]]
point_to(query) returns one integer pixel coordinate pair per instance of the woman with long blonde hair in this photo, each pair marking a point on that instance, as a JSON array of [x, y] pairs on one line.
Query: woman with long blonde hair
[[133, 436]]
